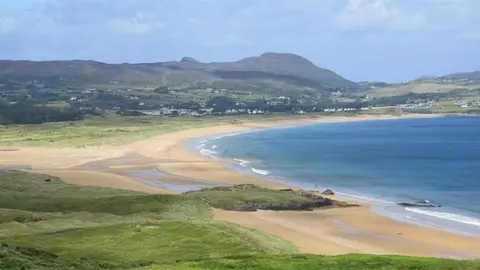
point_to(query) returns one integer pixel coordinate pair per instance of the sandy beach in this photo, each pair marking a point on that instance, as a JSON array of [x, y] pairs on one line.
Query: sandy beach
[[164, 164]]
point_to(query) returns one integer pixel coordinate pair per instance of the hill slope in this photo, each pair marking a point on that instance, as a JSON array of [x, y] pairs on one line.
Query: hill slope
[[456, 78], [268, 71], [55, 225]]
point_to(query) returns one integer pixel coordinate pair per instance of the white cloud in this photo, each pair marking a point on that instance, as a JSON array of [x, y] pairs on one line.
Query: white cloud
[[408, 15], [138, 25], [385, 14]]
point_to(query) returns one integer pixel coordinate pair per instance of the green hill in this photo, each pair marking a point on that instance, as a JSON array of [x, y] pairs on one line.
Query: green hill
[[465, 77], [267, 71], [469, 78], [55, 225]]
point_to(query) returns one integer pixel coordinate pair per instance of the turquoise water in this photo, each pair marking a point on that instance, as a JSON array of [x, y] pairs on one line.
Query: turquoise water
[[381, 162]]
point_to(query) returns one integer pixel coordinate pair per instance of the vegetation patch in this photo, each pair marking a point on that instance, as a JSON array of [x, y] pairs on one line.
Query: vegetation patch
[[23, 258], [111, 130], [308, 262], [253, 198], [159, 242], [55, 225], [8, 215]]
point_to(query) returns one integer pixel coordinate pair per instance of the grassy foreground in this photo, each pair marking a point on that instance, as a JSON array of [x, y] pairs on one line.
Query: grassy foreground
[[55, 225]]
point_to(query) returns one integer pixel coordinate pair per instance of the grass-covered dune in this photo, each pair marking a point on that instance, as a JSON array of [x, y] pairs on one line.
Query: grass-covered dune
[[113, 130], [55, 225], [252, 198]]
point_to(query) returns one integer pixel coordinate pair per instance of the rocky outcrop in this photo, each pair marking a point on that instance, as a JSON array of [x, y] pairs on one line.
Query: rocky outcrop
[[422, 203], [328, 192], [342, 204], [253, 198]]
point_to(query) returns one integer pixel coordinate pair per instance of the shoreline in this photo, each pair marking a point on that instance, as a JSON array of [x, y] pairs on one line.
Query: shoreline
[[329, 232], [386, 207], [366, 205]]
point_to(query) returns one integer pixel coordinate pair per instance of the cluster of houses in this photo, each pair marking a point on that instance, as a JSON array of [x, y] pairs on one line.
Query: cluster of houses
[[198, 112], [279, 100], [465, 104], [244, 111], [419, 105], [178, 112], [340, 109]]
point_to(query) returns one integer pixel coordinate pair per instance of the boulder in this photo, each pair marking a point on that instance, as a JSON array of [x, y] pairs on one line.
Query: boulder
[[343, 204], [425, 204], [328, 192]]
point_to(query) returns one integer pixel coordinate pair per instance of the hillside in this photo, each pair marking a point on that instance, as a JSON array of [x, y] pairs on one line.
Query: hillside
[[55, 225], [416, 87], [269, 71], [455, 78], [452, 85], [465, 77]]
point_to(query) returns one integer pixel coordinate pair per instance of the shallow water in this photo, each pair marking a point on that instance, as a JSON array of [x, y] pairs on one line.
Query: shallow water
[[156, 178], [150, 173], [174, 187]]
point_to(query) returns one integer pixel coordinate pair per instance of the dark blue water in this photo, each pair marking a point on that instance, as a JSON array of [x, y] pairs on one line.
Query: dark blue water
[[383, 162]]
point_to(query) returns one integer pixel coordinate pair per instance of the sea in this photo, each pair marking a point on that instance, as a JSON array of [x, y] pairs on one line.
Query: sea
[[380, 162]]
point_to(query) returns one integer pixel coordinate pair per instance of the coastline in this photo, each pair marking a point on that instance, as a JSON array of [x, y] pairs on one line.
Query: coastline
[[345, 229], [247, 161], [330, 231]]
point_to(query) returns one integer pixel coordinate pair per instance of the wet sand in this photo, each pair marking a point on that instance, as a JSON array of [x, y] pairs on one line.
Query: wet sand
[[164, 164]]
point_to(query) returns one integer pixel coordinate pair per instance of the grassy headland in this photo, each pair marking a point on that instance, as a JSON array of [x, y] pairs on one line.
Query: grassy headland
[[54, 225]]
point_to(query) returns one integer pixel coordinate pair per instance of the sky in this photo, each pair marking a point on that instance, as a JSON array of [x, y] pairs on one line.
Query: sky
[[381, 40]]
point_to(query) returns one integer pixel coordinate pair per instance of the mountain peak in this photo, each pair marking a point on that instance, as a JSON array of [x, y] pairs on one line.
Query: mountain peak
[[189, 59], [278, 55], [272, 58]]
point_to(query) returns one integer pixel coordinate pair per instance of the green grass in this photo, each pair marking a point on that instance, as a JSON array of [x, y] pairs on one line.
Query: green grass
[[119, 227], [415, 88], [251, 198], [308, 262], [111, 130], [61, 226], [14, 257], [154, 242], [29, 204], [27, 258], [25, 191]]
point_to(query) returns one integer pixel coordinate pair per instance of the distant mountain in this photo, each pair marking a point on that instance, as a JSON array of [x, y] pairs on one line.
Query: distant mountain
[[456, 78], [268, 71]]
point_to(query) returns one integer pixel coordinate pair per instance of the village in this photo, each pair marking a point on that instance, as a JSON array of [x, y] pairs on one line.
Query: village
[[467, 104], [165, 101]]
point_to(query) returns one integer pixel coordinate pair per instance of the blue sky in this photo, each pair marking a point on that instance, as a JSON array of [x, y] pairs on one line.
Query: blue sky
[[388, 40]]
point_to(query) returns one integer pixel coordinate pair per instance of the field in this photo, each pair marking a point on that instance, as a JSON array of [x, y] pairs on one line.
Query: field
[[54, 225], [415, 88], [110, 130], [121, 229]]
